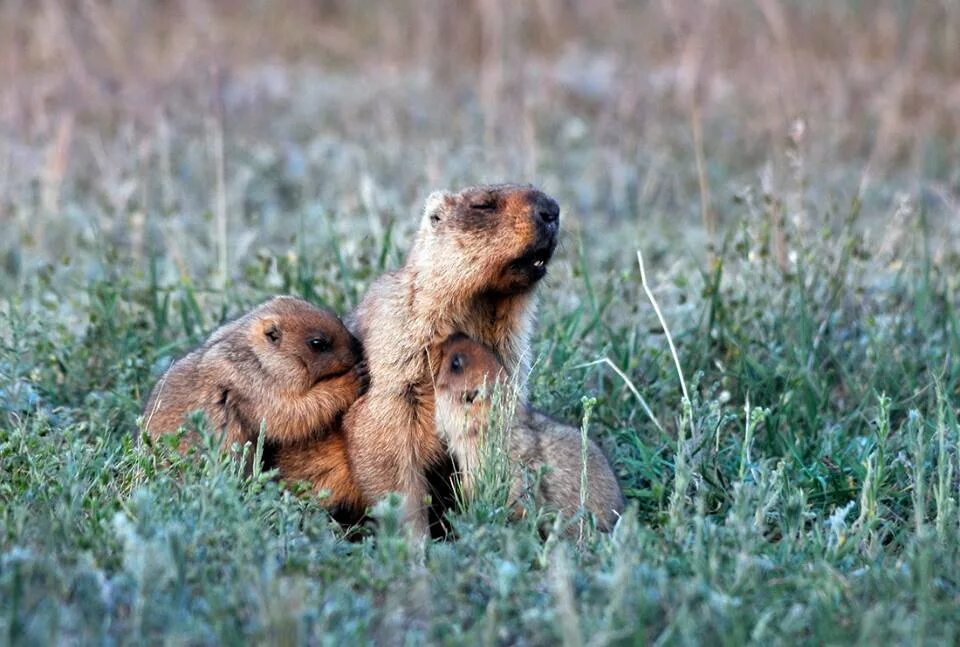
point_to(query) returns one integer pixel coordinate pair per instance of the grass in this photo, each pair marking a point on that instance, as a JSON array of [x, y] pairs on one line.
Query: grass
[[787, 177]]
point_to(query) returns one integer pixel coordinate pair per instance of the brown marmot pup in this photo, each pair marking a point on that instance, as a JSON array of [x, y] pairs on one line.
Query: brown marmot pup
[[464, 406], [473, 267], [287, 362]]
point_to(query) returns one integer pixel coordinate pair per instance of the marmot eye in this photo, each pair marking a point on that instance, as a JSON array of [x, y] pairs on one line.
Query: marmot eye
[[456, 364], [484, 205], [319, 344]]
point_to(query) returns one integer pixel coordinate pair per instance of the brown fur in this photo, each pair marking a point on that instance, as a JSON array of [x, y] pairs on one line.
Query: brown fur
[[477, 257], [534, 440], [325, 464], [262, 367]]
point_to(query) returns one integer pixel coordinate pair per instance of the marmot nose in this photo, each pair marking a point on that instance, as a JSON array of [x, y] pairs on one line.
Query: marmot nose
[[355, 347], [547, 210]]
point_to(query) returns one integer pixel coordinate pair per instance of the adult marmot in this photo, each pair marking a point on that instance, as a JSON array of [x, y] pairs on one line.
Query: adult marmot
[[287, 362], [477, 257], [468, 373]]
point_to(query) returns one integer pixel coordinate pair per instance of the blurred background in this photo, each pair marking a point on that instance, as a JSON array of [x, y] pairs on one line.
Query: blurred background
[[211, 137]]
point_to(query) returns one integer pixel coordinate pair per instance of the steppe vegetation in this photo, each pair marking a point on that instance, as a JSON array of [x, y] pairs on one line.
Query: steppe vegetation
[[790, 171]]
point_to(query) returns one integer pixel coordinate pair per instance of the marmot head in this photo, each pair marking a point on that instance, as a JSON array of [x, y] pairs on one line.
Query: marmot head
[[469, 375], [494, 239], [299, 344]]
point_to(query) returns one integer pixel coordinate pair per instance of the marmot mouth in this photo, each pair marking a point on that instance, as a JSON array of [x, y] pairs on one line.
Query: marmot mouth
[[534, 260], [526, 270], [323, 377]]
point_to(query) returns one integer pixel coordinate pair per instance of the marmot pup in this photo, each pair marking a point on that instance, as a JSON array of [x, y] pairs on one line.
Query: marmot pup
[[287, 362], [463, 407], [477, 257]]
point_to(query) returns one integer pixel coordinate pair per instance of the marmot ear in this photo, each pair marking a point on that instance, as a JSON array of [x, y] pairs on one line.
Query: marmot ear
[[271, 330], [433, 207]]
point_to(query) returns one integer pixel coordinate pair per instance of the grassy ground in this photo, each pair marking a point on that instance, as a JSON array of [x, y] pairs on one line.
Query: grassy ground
[[789, 171]]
